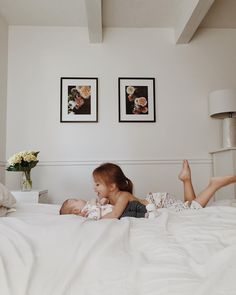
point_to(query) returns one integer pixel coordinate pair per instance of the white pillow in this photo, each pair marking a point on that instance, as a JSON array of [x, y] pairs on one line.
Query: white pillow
[[7, 200]]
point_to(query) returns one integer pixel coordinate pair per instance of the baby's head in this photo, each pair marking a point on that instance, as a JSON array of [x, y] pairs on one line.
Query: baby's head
[[72, 206]]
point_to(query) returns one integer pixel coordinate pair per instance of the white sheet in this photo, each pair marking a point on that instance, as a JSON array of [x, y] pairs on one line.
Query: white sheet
[[30, 209], [191, 253]]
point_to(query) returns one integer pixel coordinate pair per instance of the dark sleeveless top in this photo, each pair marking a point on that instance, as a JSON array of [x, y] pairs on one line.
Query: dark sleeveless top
[[134, 209]]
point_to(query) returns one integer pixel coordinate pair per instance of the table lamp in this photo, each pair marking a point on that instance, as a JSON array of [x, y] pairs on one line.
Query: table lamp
[[222, 105]]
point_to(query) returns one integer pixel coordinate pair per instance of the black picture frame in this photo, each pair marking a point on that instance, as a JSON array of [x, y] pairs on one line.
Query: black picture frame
[[136, 99], [78, 100]]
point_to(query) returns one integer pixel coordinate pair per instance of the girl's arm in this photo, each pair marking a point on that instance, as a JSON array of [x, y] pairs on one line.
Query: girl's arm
[[119, 206]]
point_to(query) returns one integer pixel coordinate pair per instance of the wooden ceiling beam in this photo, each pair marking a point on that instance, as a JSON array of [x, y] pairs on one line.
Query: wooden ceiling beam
[[194, 13], [94, 18]]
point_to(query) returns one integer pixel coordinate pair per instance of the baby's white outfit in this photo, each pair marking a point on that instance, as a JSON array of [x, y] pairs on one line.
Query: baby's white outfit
[[164, 200], [96, 211]]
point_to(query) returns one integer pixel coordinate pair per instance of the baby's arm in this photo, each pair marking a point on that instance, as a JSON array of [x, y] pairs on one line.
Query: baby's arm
[[119, 206], [94, 212]]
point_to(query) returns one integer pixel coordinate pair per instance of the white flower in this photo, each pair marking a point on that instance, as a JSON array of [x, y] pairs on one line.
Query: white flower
[[22, 161], [130, 90], [72, 104], [29, 158], [15, 159]]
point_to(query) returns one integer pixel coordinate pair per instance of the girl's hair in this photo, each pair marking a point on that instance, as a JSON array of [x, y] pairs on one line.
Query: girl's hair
[[112, 173]]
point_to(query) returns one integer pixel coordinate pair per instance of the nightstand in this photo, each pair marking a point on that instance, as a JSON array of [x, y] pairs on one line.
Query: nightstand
[[34, 196], [224, 163]]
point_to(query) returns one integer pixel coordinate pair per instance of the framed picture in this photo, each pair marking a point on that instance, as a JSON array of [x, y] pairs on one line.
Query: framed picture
[[79, 100], [137, 100]]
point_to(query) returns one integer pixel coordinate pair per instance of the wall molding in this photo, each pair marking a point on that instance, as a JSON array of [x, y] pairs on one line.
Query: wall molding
[[3, 164], [129, 162]]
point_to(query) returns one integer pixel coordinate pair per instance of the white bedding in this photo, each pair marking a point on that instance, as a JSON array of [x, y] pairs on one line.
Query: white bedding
[[189, 253]]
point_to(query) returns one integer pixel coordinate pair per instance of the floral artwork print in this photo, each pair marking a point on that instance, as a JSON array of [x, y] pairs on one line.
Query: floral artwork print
[[136, 100], [79, 99]]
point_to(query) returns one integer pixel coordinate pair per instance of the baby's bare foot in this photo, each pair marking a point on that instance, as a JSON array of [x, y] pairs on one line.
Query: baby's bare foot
[[185, 173]]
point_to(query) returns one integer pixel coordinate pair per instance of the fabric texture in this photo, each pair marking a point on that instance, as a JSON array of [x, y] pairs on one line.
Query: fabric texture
[[134, 209], [165, 200], [97, 211], [7, 200], [192, 252]]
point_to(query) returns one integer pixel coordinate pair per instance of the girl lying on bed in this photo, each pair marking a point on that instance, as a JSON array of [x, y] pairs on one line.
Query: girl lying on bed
[[97, 208], [111, 183]]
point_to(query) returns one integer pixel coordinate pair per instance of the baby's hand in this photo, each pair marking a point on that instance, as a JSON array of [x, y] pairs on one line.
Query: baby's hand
[[103, 201], [80, 213], [84, 213]]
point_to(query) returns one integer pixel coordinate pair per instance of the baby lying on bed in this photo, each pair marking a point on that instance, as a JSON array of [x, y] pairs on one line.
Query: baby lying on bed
[[96, 209], [92, 209]]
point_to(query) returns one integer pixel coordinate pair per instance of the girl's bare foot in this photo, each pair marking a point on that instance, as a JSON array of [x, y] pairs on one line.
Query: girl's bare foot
[[221, 181], [185, 173]]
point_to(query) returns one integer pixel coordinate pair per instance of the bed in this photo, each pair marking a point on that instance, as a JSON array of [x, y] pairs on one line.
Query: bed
[[189, 253]]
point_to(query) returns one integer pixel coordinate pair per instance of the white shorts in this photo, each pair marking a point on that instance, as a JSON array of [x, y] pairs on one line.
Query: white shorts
[[164, 200]]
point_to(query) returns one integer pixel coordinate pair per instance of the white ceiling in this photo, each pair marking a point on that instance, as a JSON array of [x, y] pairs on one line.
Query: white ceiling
[[121, 13]]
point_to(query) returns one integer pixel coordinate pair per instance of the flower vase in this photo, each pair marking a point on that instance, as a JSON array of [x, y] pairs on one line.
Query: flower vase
[[26, 182]]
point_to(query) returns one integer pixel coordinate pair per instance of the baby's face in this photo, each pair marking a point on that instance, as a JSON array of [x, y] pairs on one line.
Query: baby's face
[[75, 205]]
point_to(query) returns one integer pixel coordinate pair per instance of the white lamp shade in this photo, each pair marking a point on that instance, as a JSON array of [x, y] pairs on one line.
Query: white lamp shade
[[222, 102]]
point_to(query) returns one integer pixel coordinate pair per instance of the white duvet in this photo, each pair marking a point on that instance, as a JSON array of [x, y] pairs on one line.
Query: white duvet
[[189, 253]]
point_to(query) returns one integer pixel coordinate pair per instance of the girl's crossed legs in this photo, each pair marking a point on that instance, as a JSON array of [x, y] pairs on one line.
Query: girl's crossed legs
[[214, 185]]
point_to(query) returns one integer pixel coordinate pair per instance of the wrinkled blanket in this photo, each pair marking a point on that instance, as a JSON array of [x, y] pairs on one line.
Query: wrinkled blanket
[[193, 252]]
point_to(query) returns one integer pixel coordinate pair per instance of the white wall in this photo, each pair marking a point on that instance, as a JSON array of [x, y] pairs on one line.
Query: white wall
[[150, 153], [3, 94]]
